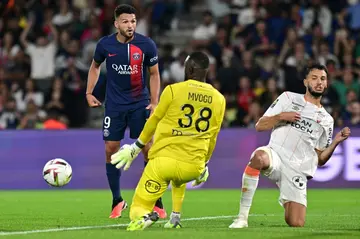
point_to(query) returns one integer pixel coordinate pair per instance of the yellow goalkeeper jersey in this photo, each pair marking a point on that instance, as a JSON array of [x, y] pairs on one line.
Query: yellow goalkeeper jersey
[[186, 122]]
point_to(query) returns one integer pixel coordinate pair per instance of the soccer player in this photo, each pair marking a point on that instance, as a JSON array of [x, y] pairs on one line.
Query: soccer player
[[300, 141], [185, 126], [128, 56]]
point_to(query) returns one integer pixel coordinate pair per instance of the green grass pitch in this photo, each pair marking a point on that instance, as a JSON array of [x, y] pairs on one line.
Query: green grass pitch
[[206, 214]]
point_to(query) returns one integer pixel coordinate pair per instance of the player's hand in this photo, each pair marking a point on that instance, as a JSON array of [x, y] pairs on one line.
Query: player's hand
[[290, 116], [342, 135], [202, 178], [125, 156], [92, 101], [151, 107]]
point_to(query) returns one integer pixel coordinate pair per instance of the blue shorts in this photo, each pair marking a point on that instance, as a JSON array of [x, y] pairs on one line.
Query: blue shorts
[[116, 122]]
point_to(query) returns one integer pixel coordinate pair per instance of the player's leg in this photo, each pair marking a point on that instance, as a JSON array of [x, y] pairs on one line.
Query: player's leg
[[260, 160], [186, 172], [293, 196], [152, 185], [113, 131], [137, 119], [295, 214], [178, 195]]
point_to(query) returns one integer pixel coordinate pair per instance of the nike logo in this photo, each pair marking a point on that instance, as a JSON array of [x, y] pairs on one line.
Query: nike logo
[[110, 55]]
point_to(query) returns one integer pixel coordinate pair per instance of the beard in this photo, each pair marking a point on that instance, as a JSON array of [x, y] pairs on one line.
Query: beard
[[314, 93], [126, 34]]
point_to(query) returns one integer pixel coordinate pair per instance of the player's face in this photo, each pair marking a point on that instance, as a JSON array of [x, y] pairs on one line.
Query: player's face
[[126, 24], [316, 82]]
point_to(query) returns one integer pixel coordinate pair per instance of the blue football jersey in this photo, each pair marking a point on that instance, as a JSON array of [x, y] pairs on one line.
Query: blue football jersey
[[126, 65]]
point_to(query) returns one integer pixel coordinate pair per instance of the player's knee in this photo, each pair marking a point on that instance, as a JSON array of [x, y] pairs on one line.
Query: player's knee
[[260, 160], [295, 221], [111, 147]]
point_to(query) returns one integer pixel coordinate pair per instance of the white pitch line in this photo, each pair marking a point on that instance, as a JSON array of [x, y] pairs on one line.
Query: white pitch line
[[104, 226], [124, 225]]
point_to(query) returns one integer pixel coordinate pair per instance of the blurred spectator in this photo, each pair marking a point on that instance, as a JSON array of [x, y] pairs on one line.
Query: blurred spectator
[[254, 114], [32, 118], [318, 13], [54, 121], [245, 94], [64, 16], [9, 117], [176, 71], [354, 120], [257, 48], [205, 31], [348, 82], [30, 93], [42, 55]]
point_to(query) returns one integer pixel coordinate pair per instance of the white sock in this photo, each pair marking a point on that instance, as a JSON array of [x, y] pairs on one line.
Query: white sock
[[249, 185], [175, 214]]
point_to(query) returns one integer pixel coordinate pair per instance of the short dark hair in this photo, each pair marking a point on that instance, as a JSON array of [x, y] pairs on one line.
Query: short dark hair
[[317, 66], [200, 60], [124, 8]]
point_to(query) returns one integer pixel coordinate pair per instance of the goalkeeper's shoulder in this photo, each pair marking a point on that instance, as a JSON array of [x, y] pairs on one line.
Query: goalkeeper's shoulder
[[218, 97], [219, 103]]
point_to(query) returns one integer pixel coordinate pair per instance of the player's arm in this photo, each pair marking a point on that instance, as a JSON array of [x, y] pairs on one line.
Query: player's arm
[[275, 114], [152, 62], [325, 155], [93, 75], [160, 111], [214, 138], [154, 84], [24, 34], [326, 148]]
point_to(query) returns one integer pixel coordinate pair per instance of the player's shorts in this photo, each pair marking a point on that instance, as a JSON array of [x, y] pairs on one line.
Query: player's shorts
[[157, 175], [292, 184], [116, 122]]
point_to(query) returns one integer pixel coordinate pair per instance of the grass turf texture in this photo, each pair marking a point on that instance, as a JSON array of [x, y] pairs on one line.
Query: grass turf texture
[[331, 214]]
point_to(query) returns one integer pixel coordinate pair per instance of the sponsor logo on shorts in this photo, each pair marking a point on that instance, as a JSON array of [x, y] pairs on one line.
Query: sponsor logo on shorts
[[106, 133], [299, 182], [152, 186]]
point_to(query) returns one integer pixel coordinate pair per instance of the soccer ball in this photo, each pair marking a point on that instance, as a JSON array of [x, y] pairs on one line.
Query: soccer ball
[[57, 172]]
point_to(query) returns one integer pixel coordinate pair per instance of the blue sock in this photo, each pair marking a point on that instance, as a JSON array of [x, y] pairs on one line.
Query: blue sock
[[113, 174]]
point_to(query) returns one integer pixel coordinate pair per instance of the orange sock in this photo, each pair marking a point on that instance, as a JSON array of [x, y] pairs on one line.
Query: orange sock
[[252, 171]]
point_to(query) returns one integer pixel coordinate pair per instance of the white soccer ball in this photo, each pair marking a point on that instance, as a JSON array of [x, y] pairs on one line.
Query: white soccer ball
[[57, 172]]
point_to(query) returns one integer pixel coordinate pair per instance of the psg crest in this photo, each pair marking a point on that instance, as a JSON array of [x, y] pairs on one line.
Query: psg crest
[[136, 56]]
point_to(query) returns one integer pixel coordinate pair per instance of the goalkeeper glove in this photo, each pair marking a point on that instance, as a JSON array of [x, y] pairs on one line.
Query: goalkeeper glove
[[202, 178], [125, 156]]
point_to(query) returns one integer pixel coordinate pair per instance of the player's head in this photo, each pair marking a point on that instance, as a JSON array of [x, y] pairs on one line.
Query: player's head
[[125, 20], [316, 80], [196, 66]]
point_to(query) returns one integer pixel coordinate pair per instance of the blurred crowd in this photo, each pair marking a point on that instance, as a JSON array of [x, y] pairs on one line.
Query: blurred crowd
[[257, 48]]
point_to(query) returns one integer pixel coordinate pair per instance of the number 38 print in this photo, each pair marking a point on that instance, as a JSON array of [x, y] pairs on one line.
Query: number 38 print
[[200, 121]]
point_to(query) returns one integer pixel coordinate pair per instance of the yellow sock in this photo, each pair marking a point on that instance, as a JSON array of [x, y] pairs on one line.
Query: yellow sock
[[140, 208], [178, 194]]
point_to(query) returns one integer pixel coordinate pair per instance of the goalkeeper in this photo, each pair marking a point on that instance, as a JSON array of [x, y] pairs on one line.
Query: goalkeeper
[[185, 125]]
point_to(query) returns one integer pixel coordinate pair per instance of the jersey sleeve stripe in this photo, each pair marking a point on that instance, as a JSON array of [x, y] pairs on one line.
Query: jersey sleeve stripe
[[172, 93]]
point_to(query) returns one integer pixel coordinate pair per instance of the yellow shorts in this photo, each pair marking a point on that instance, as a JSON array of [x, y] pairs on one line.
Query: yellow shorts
[[158, 174]]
